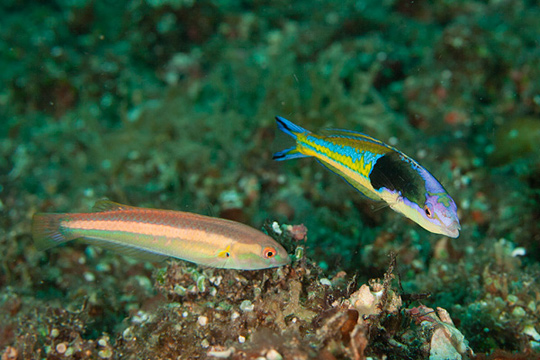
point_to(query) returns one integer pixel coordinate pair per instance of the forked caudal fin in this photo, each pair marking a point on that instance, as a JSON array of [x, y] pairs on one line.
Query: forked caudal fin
[[289, 127], [47, 232], [292, 130]]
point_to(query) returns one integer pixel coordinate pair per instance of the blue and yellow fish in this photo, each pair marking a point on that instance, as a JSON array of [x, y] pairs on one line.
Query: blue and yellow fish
[[378, 171]]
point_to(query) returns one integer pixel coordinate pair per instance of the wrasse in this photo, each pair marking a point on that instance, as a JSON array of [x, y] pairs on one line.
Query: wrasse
[[156, 234], [379, 172]]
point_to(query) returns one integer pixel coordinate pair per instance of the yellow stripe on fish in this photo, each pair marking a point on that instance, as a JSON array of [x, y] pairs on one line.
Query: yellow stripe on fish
[[155, 234], [379, 172]]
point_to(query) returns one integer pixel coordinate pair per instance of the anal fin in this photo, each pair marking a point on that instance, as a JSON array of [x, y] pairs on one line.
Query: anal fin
[[123, 249], [355, 184]]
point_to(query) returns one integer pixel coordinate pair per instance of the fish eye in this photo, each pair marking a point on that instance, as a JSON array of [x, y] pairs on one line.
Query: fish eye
[[269, 252], [429, 214]]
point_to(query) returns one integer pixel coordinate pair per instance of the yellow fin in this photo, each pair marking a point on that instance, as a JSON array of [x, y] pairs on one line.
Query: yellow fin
[[354, 183], [225, 253]]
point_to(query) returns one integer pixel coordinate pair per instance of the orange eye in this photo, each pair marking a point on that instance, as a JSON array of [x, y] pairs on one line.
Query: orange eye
[[269, 252], [429, 214]]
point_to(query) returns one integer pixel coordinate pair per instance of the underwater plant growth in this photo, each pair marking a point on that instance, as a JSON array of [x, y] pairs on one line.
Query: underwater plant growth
[[171, 104]]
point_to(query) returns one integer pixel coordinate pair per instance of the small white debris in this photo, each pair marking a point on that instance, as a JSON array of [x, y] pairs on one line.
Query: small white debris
[[241, 339], [531, 331], [205, 344], [185, 314], [235, 315], [325, 281], [273, 355], [202, 320], [102, 342], [88, 276], [276, 228], [127, 334], [221, 354], [216, 280], [519, 251], [61, 348], [140, 317], [247, 306]]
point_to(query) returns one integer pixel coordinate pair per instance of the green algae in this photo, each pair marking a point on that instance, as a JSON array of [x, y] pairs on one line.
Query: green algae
[[171, 106]]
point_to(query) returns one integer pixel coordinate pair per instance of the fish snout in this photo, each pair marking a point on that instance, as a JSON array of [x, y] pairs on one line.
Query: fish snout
[[453, 229]]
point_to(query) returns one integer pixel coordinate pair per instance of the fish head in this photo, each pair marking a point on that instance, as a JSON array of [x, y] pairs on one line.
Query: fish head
[[438, 214], [255, 256], [433, 208]]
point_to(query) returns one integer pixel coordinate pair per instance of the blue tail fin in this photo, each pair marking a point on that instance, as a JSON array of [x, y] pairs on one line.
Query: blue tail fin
[[288, 127], [293, 130]]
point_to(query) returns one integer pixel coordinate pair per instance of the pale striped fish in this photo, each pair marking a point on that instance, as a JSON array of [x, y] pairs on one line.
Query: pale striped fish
[[155, 234], [379, 172]]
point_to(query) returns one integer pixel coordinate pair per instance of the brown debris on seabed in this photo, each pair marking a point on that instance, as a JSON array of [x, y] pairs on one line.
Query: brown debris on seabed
[[286, 313]]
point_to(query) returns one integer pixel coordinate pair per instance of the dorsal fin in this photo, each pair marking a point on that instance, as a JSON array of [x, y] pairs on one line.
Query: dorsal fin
[[108, 205], [352, 135]]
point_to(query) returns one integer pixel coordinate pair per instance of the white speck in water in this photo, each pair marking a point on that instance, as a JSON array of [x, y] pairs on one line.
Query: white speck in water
[[519, 252], [88, 276], [275, 227]]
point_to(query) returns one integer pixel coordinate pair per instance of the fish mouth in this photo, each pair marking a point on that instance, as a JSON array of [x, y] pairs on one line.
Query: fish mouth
[[453, 229]]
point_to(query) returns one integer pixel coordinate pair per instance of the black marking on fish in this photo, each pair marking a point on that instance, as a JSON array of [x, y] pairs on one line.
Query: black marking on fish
[[395, 173]]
